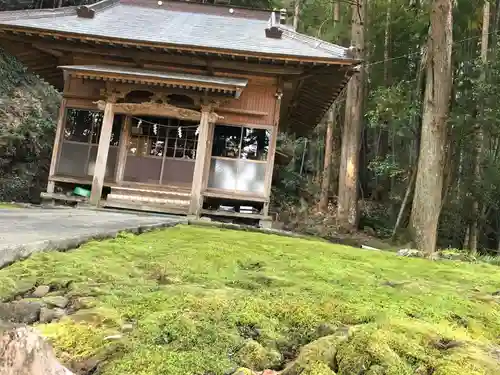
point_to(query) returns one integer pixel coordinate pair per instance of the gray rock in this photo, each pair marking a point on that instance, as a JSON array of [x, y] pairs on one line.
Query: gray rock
[[413, 253], [325, 329], [49, 315], [46, 315], [20, 312], [41, 291], [84, 303], [127, 327], [59, 313], [57, 301], [24, 351], [113, 337]]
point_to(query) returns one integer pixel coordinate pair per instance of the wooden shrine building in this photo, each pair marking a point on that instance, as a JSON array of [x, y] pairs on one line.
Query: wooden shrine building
[[174, 106]]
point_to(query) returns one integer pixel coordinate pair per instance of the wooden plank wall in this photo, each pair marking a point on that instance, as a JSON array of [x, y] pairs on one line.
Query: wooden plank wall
[[254, 107], [256, 104]]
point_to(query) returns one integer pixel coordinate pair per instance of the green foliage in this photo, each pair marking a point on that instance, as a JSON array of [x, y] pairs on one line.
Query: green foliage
[[197, 322], [27, 122]]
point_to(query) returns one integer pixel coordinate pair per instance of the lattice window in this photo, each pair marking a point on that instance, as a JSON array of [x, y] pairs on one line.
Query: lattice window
[[84, 126], [172, 138]]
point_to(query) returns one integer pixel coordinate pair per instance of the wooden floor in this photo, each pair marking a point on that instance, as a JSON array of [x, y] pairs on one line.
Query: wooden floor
[[148, 198]]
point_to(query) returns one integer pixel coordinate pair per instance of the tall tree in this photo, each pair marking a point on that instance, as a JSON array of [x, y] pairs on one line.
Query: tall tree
[[429, 184], [296, 13], [329, 136], [347, 209], [474, 228], [327, 163]]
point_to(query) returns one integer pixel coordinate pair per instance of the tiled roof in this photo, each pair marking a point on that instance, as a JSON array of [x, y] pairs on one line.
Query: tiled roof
[[178, 28], [143, 73], [221, 85]]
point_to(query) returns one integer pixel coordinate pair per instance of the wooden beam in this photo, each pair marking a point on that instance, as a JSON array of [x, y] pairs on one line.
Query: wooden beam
[[57, 142], [49, 51], [196, 203], [146, 57], [157, 109], [122, 149], [102, 155]]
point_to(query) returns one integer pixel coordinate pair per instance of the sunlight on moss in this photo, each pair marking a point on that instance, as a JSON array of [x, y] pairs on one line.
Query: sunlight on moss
[[73, 341], [196, 295]]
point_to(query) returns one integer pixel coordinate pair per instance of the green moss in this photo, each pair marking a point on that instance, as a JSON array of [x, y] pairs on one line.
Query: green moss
[[253, 355], [317, 368], [186, 291], [321, 351], [73, 342], [243, 371]]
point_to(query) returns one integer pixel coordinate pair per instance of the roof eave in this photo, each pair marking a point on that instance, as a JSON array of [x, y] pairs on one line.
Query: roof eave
[[86, 38]]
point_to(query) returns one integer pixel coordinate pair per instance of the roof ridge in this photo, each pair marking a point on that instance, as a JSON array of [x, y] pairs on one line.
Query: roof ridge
[[37, 13], [313, 41], [89, 11]]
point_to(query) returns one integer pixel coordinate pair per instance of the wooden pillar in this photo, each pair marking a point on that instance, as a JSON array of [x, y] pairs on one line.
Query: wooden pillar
[[199, 167], [123, 149], [269, 169], [208, 155], [56, 150], [268, 179], [102, 155]]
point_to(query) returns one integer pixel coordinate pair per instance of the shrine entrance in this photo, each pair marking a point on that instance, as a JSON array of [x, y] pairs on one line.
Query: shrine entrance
[[160, 151]]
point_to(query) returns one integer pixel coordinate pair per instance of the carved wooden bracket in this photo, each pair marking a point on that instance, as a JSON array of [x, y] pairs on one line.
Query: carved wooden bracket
[[157, 109], [113, 95]]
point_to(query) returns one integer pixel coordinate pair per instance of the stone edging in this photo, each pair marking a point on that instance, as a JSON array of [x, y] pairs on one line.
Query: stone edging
[[249, 228], [9, 255]]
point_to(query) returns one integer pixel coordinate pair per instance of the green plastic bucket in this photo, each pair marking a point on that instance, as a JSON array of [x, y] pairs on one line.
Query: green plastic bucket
[[81, 192]]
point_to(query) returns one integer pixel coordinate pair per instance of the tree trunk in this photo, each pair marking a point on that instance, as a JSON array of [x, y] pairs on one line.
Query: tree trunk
[[325, 182], [406, 199], [384, 184], [387, 38], [428, 188], [296, 12], [494, 34], [23, 352], [474, 229], [347, 210], [336, 11]]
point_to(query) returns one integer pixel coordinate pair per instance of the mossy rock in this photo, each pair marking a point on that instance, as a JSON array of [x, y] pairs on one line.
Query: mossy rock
[[318, 368], [253, 355], [376, 370], [322, 350]]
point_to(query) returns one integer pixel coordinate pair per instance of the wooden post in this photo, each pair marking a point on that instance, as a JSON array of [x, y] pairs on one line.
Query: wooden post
[[102, 155], [268, 178], [123, 148], [199, 166], [269, 169], [57, 145], [208, 155]]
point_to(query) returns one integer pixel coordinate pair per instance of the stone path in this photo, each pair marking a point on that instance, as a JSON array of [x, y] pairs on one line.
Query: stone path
[[25, 231]]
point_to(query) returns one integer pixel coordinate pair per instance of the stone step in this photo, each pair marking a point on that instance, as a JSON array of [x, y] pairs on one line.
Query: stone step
[[160, 192], [158, 199]]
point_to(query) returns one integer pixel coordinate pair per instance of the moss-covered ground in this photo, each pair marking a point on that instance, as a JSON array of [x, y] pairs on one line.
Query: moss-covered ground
[[196, 296]]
